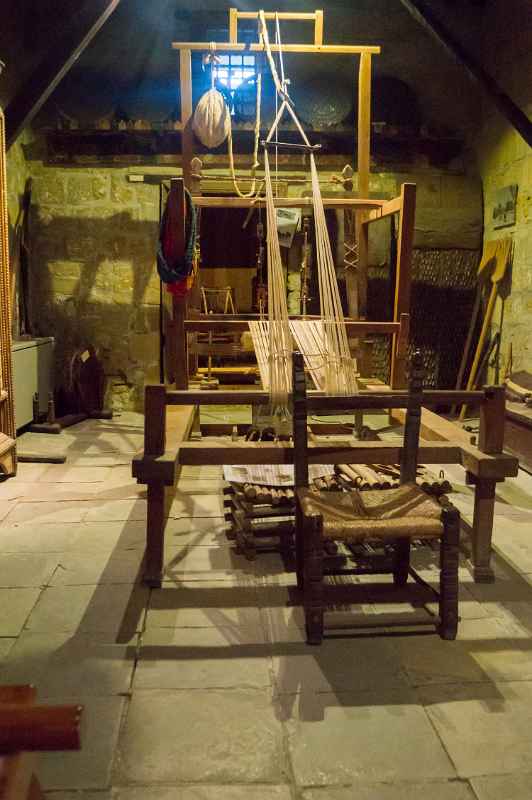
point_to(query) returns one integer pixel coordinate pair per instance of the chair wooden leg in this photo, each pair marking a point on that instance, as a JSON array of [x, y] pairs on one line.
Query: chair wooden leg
[[313, 578], [401, 563], [449, 573]]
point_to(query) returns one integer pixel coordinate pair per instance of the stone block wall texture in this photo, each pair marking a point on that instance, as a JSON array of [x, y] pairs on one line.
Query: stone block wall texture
[[93, 274], [504, 158]]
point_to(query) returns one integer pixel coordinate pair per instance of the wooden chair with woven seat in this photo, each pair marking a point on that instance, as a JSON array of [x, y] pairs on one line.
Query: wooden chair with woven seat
[[392, 516]]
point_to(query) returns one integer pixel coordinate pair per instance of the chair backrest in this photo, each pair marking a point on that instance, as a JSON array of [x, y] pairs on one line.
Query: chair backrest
[[410, 450]]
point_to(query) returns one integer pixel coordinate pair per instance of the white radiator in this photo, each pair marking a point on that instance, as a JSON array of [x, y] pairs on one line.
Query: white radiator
[[33, 370]]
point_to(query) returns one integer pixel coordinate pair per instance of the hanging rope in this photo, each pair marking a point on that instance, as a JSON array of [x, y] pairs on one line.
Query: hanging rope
[[339, 367], [280, 342], [340, 370]]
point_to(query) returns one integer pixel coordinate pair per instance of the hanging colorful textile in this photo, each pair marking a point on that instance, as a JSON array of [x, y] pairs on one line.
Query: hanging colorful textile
[[175, 266]]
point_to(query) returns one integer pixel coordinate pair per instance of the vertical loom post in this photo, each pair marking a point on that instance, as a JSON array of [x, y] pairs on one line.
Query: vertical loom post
[[187, 136], [233, 25], [179, 304], [363, 167], [318, 27], [155, 445], [403, 277]]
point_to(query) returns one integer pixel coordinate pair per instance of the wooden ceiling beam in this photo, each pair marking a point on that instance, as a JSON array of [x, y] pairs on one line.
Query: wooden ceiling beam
[[515, 116], [86, 22]]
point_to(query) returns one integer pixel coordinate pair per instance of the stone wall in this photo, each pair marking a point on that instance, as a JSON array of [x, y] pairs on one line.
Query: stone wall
[[93, 273], [504, 158]]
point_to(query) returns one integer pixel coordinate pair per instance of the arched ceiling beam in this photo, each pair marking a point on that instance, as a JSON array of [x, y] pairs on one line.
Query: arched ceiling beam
[[85, 24], [515, 116]]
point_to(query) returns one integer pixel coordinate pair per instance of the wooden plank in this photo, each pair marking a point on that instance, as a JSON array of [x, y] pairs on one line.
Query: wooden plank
[[86, 20], [348, 452], [292, 15], [364, 124], [217, 324], [318, 401], [435, 428], [204, 201], [387, 209], [215, 349], [318, 27], [427, 18], [256, 47], [403, 278], [187, 136]]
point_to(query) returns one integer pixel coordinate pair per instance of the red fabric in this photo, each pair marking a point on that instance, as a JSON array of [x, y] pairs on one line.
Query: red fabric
[[178, 289]]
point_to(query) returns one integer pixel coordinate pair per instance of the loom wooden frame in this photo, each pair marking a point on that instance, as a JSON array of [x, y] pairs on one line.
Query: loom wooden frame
[[160, 463], [367, 210], [158, 466]]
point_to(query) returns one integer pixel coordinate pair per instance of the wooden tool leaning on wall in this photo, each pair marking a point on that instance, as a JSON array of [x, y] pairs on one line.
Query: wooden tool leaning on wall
[[496, 255], [26, 728]]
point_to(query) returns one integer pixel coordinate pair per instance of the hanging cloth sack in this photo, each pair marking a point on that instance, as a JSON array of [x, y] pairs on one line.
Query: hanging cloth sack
[[212, 122]]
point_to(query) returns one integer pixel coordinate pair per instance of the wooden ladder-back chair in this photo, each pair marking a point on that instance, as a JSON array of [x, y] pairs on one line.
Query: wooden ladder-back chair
[[392, 516]]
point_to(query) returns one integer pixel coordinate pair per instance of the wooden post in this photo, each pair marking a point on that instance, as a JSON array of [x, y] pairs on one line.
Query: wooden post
[[155, 420], [403, 276], [363, 167], [492, 414], [187, 136], [318, 28], [156, 523], [233, 24], [490, 440]]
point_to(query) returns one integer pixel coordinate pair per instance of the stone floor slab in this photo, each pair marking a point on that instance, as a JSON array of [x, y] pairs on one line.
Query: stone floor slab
[[15, 608], [113, 612], [93, 537], [201, 737], [202, 658], [117, 511], [42, 513], [66, 473], [6, 643], [90, 768], [50, 538], [435, 790], [197, 532], [337, 739], [486, 650], [485, 727], [58, 663], [19, 570], [120, 566], [338, 665], [206, 563], [196, 505], [231, 792], [209, 604], [503, 787]]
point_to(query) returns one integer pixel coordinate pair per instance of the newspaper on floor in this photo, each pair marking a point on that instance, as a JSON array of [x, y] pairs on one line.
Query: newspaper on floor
[[272, 474]]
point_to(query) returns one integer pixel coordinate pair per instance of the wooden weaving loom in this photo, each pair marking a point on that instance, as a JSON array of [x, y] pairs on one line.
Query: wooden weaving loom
[[166, 447]]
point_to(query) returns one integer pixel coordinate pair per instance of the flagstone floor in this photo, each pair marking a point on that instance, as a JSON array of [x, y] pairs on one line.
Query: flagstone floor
[[205, 690]]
